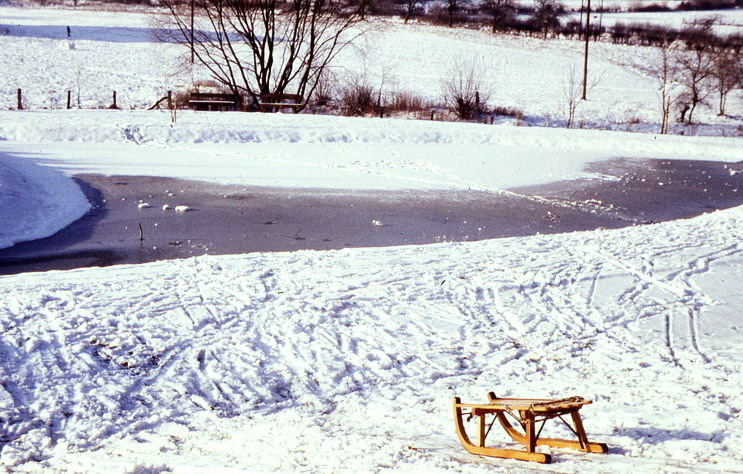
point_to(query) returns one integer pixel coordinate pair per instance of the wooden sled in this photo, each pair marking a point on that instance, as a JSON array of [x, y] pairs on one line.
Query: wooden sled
[[527, 412]]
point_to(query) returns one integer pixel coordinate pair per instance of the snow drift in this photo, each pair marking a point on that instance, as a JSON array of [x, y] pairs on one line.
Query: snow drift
[[35, 201]]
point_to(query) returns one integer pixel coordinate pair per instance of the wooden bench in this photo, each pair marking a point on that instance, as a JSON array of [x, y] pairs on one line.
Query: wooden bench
[[213, 101], [528, 413], [279, 102]]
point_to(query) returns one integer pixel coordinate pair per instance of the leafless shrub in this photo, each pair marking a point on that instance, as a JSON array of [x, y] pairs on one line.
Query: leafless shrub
[[467, 90], [571, 93], [509, 112], [404, 101], [325, 90], [358, 96]]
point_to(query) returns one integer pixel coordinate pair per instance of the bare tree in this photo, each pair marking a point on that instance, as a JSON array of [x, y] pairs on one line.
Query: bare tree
[[572, 91], [262, 46], [452, 7], [665, 72], [727, 72], [410, 7], [695, 66], [547, 15], [571, 94], [500, 13], [466, 90], [365, 8]]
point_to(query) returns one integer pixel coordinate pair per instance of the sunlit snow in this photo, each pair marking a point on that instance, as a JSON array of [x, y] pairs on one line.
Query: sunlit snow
[[346, 361]]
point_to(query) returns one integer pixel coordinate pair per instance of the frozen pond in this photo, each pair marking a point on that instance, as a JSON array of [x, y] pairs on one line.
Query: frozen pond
[[237, 219]]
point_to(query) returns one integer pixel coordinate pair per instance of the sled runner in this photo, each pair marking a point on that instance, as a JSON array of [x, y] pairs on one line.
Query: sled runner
[[527, 412]]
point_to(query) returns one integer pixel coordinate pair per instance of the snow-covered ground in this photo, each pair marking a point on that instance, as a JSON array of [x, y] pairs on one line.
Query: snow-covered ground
[[331, 152], [346, 361], [45, 198], [111, 51], [727, 21]]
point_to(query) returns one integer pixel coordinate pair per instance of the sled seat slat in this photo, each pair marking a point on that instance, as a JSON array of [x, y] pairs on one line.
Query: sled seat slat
[[528, 412], [532, 404]]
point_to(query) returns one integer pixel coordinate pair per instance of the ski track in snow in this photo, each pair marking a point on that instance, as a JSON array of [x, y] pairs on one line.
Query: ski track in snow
[[345, 361], [357, 353]]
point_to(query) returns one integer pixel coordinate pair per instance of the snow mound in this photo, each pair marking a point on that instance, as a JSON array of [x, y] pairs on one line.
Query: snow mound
[[35, 201]]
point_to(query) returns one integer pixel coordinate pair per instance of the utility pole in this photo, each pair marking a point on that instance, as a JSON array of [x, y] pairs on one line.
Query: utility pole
[[192, 52], [585, 54]]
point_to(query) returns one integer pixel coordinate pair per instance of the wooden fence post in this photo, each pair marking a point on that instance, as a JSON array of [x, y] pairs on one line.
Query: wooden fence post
[[114, 106], [69, 100], [170, 99], [20, 99]]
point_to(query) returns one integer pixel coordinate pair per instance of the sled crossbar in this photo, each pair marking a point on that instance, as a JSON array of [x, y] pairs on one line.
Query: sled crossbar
[[528, 412]]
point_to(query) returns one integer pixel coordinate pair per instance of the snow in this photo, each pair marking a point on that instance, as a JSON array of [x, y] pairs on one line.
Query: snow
[[331, 152], [728, 21], [524, 73], [45, 200], [347, 360]]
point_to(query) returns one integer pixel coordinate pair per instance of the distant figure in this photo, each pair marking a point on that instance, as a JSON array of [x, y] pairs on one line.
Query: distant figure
[[69, 33]]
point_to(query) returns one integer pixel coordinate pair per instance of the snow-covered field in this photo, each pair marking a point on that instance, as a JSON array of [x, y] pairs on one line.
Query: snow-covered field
[[346, 361], [727, 21], [111, 51]]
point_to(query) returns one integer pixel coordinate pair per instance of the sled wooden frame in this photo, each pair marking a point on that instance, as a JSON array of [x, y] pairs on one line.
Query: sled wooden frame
[[528, 412]]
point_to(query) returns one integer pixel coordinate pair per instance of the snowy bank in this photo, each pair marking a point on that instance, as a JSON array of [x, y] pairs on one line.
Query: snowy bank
[[346, 360], [35, 201], [312, 151]]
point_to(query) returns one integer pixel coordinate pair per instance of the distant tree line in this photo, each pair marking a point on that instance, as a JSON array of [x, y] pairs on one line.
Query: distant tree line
[[693, 5], [656, 35]]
